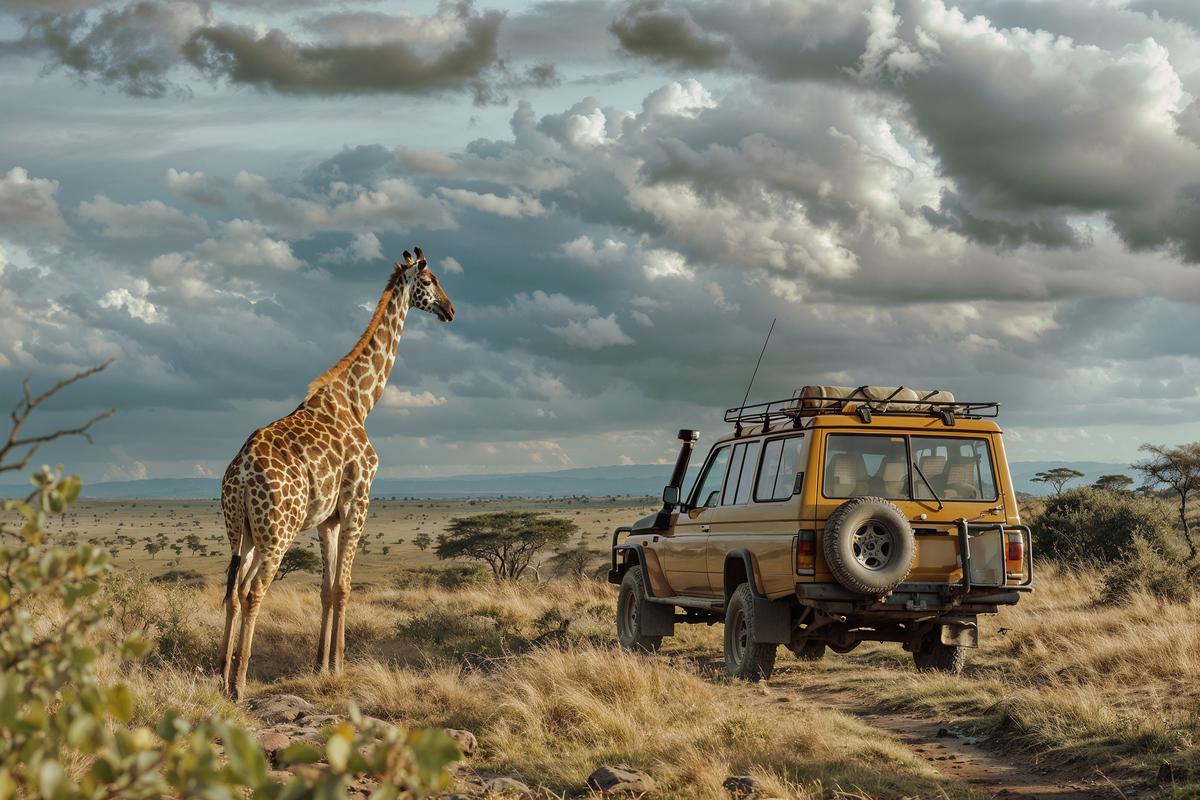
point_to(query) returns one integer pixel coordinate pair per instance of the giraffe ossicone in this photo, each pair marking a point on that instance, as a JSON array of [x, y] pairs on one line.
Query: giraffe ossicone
[[313, 469]]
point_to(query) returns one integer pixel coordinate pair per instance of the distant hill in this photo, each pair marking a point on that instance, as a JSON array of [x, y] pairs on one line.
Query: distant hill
[[634, 479]]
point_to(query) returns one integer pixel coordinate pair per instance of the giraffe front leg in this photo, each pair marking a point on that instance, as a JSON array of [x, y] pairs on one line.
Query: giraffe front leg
[[347, 547], [329, 533]]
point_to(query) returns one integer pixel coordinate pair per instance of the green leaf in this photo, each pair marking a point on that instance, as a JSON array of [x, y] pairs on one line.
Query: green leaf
[[337, 750], [433, 750], [50, 776], [120, 702], [300, 753]]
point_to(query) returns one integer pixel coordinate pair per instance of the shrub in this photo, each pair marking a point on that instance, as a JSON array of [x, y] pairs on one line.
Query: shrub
[[1096, 525], [67, 735], [1143, 567]]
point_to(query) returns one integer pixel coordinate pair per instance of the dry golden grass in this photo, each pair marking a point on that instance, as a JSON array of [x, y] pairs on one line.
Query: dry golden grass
[[549, 716], [1109, 688]]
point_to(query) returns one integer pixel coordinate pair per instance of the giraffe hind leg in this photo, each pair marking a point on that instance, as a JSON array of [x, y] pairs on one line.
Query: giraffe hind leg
[[232, 598]]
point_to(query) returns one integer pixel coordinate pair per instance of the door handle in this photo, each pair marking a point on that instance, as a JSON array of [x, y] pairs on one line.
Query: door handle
[[705, 528]]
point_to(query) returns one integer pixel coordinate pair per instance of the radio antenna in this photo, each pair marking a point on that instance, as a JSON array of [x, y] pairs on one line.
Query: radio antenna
[[754, 374]]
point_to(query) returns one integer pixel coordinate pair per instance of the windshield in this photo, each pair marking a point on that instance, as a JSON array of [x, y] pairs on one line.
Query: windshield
[[956, 468]]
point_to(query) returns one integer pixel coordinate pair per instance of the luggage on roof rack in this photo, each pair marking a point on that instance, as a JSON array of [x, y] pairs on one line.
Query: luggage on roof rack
[[812, 400]]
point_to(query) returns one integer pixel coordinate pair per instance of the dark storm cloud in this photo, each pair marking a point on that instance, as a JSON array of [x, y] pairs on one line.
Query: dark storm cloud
[[366, 53], [648, 28], [136, 47], [1031, 128]]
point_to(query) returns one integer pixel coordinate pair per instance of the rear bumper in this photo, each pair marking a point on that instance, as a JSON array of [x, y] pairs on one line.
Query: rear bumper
[[910, 600]]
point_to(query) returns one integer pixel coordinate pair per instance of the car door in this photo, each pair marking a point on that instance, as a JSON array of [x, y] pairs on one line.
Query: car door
[[684, 552], [763, 515]]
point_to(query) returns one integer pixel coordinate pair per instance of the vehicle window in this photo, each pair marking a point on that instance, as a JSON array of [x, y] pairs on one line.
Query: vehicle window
[[780, 475], [958, 468], [858, 465], [709, 485], [746, 478]]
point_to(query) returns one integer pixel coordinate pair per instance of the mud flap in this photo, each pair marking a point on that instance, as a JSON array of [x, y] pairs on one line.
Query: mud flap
[[772, 621], [960, 634], [657, 619]]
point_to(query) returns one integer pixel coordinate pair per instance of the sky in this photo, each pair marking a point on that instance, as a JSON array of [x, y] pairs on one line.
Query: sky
[[1000, 199]]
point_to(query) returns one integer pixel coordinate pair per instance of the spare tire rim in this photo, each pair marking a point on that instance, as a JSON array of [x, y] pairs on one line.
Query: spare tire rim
[[873, 545]]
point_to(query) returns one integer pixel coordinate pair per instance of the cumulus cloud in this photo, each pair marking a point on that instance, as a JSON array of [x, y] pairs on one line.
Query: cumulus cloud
[[583, 249], [362, 247], [1086, 130], [513, 206], [146, 219], [244, 243], [29, 203], [195, 186], [402, 401], [592, 334], [133, 301]]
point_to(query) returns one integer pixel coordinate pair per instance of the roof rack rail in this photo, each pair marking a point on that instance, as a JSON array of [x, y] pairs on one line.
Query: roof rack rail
[[793, 409]]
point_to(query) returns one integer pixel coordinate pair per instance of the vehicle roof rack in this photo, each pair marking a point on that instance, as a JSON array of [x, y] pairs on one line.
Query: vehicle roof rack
[[865, 400]]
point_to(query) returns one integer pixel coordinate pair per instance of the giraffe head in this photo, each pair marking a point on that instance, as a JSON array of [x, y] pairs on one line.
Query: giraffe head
[[425, 293]]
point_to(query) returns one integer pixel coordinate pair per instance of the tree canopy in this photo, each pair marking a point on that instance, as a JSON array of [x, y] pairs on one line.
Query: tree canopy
[[1057, 477], [1178, 469], [1114, 483], [297, 559], [506, 541]]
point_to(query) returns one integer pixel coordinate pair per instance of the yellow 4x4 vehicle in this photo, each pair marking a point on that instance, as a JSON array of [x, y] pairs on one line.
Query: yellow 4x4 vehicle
[[837, 516]]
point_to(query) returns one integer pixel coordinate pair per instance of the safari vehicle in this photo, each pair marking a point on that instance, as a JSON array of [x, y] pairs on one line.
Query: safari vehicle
[[833, 517]]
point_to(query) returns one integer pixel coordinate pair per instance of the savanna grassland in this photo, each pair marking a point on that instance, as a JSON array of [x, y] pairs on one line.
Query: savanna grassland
[[1106, 693]]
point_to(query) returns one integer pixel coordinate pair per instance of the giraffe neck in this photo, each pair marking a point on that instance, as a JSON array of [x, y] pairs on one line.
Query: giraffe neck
[[357, 381]]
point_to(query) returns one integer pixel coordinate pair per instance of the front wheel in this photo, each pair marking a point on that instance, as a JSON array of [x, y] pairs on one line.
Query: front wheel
[[744, 657], [933, 656], [631, 601]]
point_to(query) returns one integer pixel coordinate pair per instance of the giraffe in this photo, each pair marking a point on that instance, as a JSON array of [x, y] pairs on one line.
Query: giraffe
[[314, 468]]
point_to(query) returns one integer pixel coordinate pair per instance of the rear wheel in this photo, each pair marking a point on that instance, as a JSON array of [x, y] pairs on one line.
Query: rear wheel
[[933, 656], [631, 601], [744, 657]]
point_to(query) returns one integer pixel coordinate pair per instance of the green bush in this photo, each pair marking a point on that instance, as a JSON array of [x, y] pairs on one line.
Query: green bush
[[1143, 567], [1097, 525], [66, 735]]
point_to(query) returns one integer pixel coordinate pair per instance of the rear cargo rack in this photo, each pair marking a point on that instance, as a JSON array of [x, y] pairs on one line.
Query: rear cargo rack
[[796, 409]]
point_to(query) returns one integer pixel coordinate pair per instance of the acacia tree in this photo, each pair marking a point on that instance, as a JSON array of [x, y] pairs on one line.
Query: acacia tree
[[1057, 477], [297, 559], [421, 540], [1114, 483], [506, 541], [1178, 469]]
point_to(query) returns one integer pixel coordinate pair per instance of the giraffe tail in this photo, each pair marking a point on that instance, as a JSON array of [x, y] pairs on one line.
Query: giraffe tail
[[234, 562]]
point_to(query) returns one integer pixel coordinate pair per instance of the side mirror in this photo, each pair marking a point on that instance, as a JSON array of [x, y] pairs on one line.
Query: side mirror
[[670, 496]]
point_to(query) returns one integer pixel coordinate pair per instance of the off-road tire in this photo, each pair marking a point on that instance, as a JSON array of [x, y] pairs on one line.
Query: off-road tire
[[631, 600], [869, 545], [933, 656], [810, 650], [745, 658]]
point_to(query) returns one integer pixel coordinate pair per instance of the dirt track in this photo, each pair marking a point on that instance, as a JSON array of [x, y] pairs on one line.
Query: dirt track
[[951, 751]]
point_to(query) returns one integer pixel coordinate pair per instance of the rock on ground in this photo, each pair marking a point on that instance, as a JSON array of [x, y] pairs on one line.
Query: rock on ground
[[620, 779]]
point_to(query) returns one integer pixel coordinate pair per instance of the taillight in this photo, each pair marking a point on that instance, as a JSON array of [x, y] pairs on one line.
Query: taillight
[[1014, 554], [806, 553]]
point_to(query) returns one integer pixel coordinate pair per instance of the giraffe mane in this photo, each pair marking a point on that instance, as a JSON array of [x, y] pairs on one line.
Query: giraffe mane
[[333, 372]]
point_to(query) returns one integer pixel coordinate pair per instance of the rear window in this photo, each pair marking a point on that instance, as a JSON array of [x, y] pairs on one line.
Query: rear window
[[955, 468]]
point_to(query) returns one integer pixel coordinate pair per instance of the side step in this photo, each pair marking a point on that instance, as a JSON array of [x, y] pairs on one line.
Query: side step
[[687, 601]]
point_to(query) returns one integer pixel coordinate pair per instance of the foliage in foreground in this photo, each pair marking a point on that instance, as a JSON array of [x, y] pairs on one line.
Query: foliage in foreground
[[63, 734]]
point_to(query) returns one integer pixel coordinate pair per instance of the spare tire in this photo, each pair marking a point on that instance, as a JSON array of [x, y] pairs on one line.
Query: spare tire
[[869, 545]]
